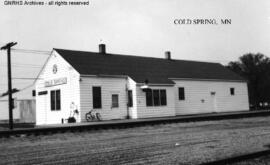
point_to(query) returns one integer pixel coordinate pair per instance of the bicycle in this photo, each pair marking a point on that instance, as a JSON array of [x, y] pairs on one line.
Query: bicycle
[[92, 115]]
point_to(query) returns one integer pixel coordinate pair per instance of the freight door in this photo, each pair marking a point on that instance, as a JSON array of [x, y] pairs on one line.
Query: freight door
[[41, 108]]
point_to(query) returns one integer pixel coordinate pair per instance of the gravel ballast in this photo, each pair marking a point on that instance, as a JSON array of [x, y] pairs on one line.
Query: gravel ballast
[[176, 143]]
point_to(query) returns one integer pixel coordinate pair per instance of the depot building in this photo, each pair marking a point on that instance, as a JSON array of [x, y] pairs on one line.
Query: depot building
[[125, 86]]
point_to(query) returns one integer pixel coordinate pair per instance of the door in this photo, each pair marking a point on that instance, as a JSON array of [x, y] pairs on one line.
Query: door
[[55, 109], [115, 105], [41, 106], [130, 111], [214, 101]]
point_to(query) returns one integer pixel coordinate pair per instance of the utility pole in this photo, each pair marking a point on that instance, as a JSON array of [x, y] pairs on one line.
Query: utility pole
[[10, 100]]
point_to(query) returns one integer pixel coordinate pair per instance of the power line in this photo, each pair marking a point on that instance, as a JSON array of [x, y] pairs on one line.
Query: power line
[[24, 78], [4, 84], [22, 89], [31, 50], [42, 52], [42, 66], [25, 64]]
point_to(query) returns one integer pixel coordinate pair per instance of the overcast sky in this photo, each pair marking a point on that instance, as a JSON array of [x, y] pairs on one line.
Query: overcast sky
[[137, 27]]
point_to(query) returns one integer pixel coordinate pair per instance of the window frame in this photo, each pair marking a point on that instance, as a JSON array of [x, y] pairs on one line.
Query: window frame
[[34, 93], [163, 102], [55, 100], [130, 98], [155, 98], [232, 91], [58, 100], [149, 98], [115, 104], [181, 93], [97, 97]]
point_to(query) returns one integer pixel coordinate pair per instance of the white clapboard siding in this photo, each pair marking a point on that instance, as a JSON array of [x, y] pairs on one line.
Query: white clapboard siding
[[198, 98], [69, 91], [155, 111], [108, 86], [42, 106], [133, 110]]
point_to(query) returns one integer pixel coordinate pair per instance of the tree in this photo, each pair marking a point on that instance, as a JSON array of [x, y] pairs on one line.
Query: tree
[[255, 68]]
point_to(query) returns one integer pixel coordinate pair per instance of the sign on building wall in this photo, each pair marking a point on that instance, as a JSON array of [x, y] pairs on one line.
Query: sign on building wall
[[55, 82]]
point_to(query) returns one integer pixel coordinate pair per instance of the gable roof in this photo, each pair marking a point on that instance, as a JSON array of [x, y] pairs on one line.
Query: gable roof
[[155, 70]]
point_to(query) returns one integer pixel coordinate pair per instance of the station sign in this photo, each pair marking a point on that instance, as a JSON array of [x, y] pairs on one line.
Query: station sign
[[54, 82]]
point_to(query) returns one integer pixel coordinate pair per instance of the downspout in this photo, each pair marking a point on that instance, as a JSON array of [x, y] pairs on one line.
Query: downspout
[[128, 115]]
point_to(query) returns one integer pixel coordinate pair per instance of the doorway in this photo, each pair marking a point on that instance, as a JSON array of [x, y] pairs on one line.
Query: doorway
[[214, 101]]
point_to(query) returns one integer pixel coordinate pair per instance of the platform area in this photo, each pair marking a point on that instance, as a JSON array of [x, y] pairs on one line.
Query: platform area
[[179, 118], [24, 128]]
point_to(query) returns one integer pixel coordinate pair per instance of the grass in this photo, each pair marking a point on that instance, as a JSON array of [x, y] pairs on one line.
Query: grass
[[177, 143]]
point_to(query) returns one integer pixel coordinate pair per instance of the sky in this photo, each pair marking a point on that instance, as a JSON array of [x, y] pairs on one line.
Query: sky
[[137, 27]]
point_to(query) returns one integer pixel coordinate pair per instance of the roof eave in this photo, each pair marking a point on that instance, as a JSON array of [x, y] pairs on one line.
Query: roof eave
[[199, 79], [105, 76], [155, 84]]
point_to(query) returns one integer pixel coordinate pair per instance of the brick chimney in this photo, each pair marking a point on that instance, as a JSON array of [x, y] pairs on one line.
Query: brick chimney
[[168, 55], [102, 48]]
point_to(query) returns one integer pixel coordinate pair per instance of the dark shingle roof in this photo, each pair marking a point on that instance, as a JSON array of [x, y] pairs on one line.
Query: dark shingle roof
[[155, 70]]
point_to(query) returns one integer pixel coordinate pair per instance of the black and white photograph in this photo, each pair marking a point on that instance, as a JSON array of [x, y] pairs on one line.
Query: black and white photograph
[[110, 82]]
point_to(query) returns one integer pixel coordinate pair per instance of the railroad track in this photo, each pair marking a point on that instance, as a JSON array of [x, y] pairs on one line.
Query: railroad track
[[129, 123], [239, 158]]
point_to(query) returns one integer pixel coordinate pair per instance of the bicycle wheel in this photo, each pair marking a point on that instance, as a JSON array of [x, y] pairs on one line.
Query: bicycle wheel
[[98, 116], [88, 117]]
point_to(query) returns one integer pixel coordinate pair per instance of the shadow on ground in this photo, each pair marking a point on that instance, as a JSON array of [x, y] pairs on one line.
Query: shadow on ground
[[5, 126]]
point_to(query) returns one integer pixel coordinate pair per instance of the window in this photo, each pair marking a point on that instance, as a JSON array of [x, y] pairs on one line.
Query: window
[[96, 97], [58, 100], [33, 93], [130, 99], [115, 102], [55, 100], [156, 97], [181, 93], [163, 98], [232, 91], [149, 98]]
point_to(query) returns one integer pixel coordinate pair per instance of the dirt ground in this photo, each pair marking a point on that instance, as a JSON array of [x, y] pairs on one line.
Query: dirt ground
[[178, 143]]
